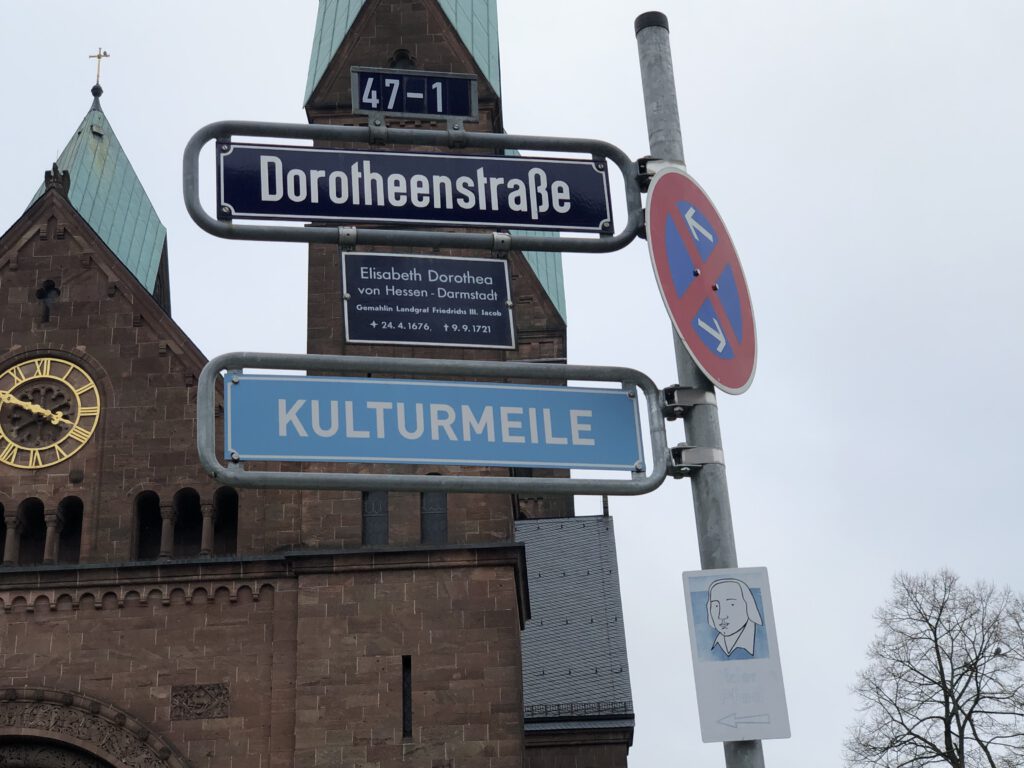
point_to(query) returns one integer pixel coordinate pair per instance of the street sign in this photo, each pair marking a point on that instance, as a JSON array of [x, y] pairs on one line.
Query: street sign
[[374, 420], [216, 382], [701, 280], [736, 666], [413, 93], [441, 301], [601, 156], [315, 184]]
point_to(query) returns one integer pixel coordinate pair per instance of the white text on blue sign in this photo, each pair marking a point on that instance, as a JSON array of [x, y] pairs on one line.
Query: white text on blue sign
[[309, 184], [427, 300], [289, 418]]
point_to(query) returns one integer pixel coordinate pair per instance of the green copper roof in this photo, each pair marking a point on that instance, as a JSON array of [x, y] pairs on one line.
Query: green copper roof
[[109, 196], [476, 21], [547, 265], [333, 20]]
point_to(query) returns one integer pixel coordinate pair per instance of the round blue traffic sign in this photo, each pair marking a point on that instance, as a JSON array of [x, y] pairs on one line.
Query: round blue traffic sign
[[701, 280]]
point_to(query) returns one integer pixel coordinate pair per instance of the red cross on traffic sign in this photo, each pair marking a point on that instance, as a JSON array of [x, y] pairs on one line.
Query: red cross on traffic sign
[[701, 280]]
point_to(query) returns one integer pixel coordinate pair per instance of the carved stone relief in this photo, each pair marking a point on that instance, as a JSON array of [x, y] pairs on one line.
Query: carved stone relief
[[199, 702], [96, 734], [64, 721]]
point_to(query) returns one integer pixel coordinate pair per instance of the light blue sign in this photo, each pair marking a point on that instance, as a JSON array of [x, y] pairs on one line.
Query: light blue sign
[[735, 652], [734, 629], [396, 421]]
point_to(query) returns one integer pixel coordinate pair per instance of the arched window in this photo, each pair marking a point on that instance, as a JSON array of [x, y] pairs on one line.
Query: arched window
[[69, 544], [434, 517], [147, 526], [3, 534], [375, 517], [188, 523], [225, 525], [33, 532]]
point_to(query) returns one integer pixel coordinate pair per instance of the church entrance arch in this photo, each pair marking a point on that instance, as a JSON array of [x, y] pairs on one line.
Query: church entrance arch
[[22, 752], [43, 728]]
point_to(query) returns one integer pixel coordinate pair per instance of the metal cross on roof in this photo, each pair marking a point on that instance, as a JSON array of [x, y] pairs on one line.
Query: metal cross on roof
[[99, 56]]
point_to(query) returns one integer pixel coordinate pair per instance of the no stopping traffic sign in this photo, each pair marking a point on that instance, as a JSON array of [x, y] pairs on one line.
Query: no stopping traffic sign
[[701, 280]]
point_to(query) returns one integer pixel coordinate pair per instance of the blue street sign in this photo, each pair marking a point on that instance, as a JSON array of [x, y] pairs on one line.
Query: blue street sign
[[441, 301], [396, 421], [313, 184], [412, 93]]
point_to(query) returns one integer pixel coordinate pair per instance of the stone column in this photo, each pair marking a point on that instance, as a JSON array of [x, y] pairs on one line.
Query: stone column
[[13, 542], [167, 517], [206, 545], [54, 524]]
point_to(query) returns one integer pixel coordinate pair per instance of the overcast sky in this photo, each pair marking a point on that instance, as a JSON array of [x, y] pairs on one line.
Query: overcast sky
[[867, 158]]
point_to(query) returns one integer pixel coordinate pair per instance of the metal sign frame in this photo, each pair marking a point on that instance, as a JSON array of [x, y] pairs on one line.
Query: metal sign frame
[[455, 138], [236, 474]]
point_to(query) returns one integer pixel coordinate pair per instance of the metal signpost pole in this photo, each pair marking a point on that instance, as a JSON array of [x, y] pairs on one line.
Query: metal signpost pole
[[710, 490]]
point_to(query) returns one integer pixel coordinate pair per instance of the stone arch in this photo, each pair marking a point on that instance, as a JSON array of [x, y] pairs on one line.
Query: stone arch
[[225, 521], [21, 752], [188, 523], [69, 543], [92, 734], [147, 525], [31, 531]]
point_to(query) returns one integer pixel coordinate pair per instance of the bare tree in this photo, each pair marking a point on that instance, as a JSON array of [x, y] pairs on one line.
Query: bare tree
[[945, 682]]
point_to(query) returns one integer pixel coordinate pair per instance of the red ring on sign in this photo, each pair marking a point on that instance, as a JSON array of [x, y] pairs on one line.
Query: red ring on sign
[[701, 280]]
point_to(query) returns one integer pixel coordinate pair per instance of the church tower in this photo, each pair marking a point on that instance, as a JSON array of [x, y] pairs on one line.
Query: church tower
[[150, 618], [589, 717], [439, 37]]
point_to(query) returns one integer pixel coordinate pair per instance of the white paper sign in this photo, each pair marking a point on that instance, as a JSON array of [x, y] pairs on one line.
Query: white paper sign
[[736, 663]]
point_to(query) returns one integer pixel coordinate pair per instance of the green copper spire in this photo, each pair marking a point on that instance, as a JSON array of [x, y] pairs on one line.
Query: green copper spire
[[109, 196], [476, 21]]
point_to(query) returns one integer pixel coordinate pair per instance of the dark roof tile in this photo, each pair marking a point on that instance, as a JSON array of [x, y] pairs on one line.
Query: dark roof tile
[[574, 645]]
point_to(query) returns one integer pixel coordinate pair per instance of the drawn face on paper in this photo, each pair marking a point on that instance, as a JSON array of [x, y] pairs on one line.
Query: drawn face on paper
[[727, 610]]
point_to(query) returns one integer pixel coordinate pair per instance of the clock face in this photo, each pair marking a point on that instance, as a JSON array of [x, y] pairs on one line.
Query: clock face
[[49, 409]]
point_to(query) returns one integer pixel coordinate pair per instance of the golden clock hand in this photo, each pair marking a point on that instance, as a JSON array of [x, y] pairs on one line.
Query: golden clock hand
[[7, 397], [57, 418], [53, 417]]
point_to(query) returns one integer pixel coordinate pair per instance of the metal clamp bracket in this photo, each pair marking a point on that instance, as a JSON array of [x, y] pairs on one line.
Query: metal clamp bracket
[[648, 166], [378, 130], [685, 459], [457, 138], [347, 237], [502, 243], [678, 400]]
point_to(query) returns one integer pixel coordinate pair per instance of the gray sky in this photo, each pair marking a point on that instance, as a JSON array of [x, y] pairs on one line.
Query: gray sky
[[867, 158]]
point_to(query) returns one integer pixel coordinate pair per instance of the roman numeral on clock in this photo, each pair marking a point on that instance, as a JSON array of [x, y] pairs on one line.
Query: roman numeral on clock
[[9, 453], [79, 434]]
